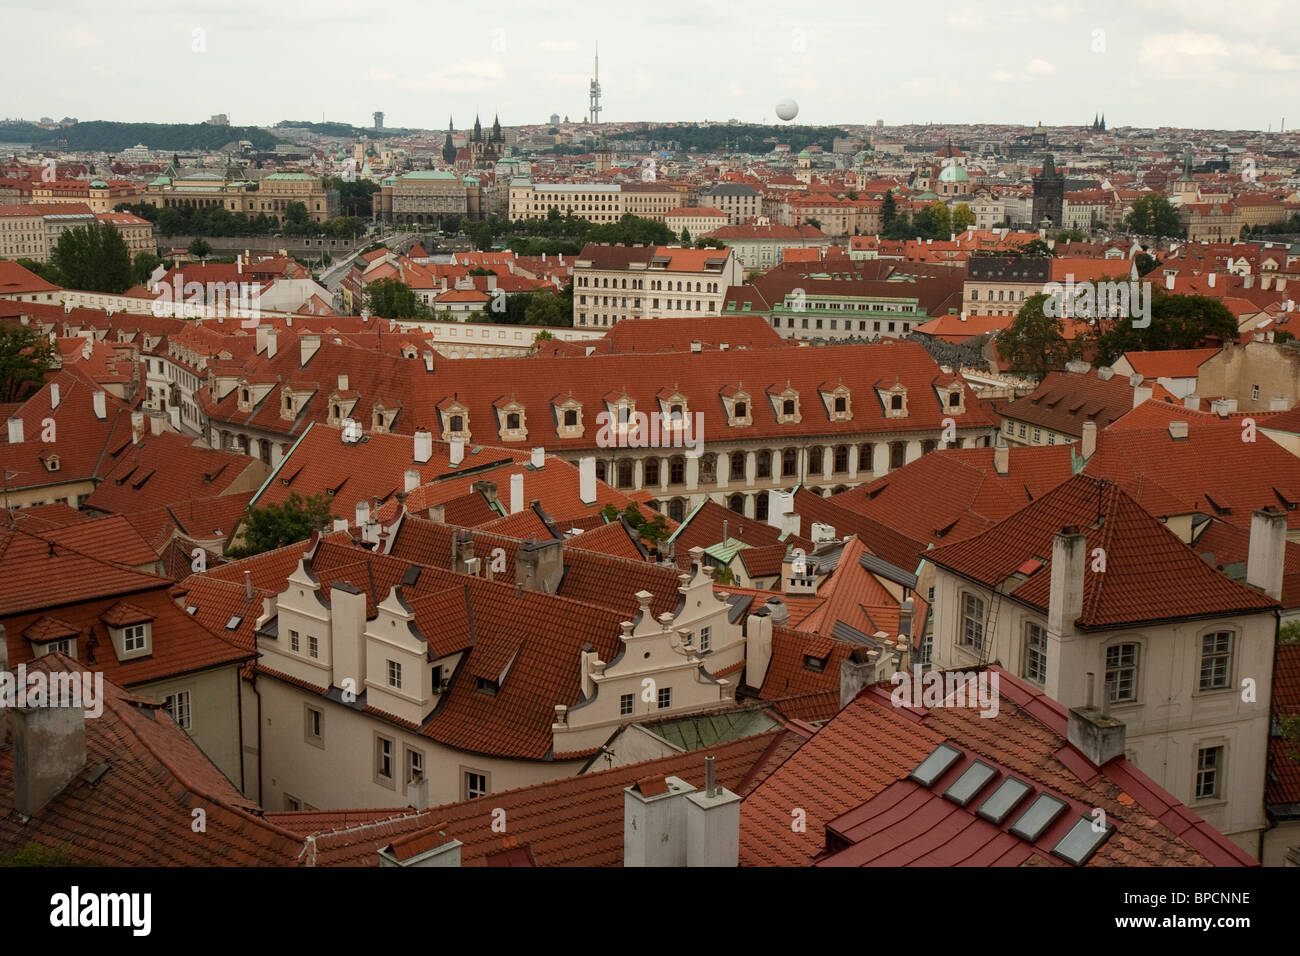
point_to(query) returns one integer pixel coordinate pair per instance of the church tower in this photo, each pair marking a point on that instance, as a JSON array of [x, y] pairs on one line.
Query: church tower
[[448, 150]]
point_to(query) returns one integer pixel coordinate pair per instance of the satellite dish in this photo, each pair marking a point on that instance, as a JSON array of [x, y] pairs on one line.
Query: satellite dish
[[787, 109]]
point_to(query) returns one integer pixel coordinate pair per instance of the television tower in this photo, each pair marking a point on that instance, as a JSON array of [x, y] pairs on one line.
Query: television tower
[[594, 107]]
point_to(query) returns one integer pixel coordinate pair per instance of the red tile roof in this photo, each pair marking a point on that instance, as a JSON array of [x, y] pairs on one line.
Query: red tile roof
[[1063, 401], [1282, 784]]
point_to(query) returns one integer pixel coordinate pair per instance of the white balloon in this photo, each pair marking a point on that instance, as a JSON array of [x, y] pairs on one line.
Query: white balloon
[[787, 109]]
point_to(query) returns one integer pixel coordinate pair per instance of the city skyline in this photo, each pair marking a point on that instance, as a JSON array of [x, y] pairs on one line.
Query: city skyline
[[1145, 64]]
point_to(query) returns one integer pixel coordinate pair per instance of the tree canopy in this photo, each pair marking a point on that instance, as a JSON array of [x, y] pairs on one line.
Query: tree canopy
[[25, 357], [394, 299], [274, 526], [1153, 216], [1177, 322], [93, 258], [1034, 343]]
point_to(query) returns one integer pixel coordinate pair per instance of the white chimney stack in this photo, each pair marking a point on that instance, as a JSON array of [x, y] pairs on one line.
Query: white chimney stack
[[363, 513], [411, 480], [712, 824], [1169, 280], [457, 451], [101, 408], [343, 383], [1267, 552], [1002, 459], [1089, 440], [539, 457], [516, 493], [1192, 401], [49, 751], [587, 480], [15, 431], [54, 395], [423, 447], [654, 822], [1065, 601], [1178, 430]]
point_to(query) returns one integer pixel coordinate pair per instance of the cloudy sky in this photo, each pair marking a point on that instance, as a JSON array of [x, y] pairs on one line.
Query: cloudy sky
[[1193, 63]]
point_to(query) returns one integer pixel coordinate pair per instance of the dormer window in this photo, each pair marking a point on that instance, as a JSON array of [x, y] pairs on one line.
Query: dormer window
[[512, 421], [895, 400], [455, 418], [742, 410], [52, 463], [457, 423], [131, 630], [841, 405], [896, 403], [787, 407], [570, 418]]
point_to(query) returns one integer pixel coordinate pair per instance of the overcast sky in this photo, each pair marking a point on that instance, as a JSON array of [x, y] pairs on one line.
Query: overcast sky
[[1194, 63]]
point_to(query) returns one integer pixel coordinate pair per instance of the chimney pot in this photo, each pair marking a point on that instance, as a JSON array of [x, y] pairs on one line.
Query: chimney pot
[[1266, 552], [457, 452], [49, 750], [1002, 459]]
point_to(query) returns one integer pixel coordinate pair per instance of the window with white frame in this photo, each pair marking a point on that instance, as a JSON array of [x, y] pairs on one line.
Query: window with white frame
[[313, 646], [476, 784], [134, 637], [1122, 672], [383, 759], [314, 725], [178, 706], [706, 638], [295, 643], [665, 698], [1035, 668], [1209, 772], [395, 674], [414, 766], [63, 646], [625, 704], [1216, 660], [972, 622]]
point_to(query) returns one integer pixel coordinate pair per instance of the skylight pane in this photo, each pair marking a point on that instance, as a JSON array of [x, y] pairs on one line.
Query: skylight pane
[[1038, 817], [934, 766], [1003, 800], [971, 782], [1081, 842]]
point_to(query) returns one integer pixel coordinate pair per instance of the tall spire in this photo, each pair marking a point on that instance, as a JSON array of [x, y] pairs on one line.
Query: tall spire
[[594, 106]]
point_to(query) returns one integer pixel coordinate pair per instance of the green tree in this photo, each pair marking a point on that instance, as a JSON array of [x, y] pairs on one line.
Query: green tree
[[1153, 216], [1036, 247], [274, 526], [888, 210], [394, 299], [296, 214], [142, 267], [43, 269], [962, 217], [25, 357], [1145, 263], [1177, 322], [686, 236], [1034, 342], [940, 221], [93, 258], [1071, 235], [813, 221], [481, 234], [199, 248]]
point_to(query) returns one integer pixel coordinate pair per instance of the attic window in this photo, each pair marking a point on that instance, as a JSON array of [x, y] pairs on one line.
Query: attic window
[[935, 765], [234, 623], [52, 463], [486, 686], [787, 407], [954, 399], [512, 422], [815, 664], [841, 404], [1081, 841], [570, 418], [896, 403], [742, 410], [457, 423], [1040, 815]]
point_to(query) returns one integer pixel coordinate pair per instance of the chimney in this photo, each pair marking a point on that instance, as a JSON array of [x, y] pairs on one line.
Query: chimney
[[697, 345], [539, 565], [340, 524], [1178, 430], [1267, 552], [347, 613], [137, 427], [758, 647], [1141, 394], [654, 822], [1169, 280], [157, 424], [54, 395], [587, 480], [1211, 279], [343, 383], [1092, 730], [49, 751], [404, 852], [856, 672], [1089, 441], [248, 585], [272, 335], [457, 452], [1192, 401], [462, 551], [15, 431], [100, 405], [1065, 601], [538, 459], [410, 480], [488, 489], [780, 613], [1105, 373], [363, 513], [309, 345], [423, 447], [427, 355], [712, 824], [822, 533], [516, 493], [1002, 459]]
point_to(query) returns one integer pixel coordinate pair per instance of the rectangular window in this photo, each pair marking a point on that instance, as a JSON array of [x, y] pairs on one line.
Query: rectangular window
[[1122, 672], [665, 697], [395, 674], [62, 647], [625, 702], [315, 726], [1209, 764], [1022, 429], [476, 785], [178, 706], [1216, 660], [414, 766], [706, 638], [383, 760], [133, 638], [972, 622], [294, 644], [313, 646], [1035, 653]]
